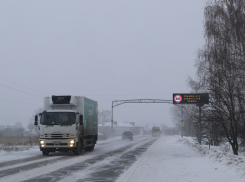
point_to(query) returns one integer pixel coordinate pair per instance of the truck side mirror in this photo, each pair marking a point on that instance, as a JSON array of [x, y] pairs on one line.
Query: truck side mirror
[[81, 119], [36, 119]]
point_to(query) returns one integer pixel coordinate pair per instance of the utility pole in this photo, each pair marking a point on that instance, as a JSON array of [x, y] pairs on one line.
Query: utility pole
[[182, 121], [200, 124], [112, 120]]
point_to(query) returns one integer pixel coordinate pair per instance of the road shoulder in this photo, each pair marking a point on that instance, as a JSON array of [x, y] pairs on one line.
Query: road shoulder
[[169, 160]]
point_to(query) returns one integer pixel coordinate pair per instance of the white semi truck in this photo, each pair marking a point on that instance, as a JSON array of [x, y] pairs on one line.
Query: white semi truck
[[68, 123]]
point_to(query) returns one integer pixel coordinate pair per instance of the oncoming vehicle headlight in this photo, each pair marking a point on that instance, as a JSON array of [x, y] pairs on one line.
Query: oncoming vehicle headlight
[[41, 142], [72, 143]]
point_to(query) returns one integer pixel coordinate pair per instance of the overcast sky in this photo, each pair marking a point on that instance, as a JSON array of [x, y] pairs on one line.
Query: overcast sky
[[105, 50]]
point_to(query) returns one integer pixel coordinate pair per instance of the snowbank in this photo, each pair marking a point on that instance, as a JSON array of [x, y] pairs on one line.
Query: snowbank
[[175, 159], [219, 154]]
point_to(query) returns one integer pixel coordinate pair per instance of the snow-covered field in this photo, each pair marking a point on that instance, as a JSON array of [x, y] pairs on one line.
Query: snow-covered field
[[13, 155], [170, 158]]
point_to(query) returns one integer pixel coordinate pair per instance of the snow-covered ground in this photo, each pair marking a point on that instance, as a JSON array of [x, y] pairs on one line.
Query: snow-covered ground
[[172, 158], [35, 151], [14, 155], [36, 167]]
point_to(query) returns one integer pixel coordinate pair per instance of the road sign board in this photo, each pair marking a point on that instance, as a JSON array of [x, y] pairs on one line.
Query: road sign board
[[191, 98], [177, 98]]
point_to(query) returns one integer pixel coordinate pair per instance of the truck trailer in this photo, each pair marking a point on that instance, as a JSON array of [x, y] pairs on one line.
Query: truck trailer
[[155, 132], [68, 123]]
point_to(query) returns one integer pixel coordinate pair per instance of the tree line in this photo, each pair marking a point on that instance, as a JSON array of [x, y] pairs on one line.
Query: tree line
[[220, 72]]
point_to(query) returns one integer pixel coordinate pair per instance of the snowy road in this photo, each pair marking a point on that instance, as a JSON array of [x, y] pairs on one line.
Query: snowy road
[[164, 159], [106, 163], [171, 159]]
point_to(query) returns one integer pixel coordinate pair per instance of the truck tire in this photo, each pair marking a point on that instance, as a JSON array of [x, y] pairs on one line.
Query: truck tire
[[90, 148], [78, 149], [45, 153]]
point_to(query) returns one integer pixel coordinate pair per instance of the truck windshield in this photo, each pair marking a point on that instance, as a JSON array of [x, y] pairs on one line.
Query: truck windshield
[[58, 118]]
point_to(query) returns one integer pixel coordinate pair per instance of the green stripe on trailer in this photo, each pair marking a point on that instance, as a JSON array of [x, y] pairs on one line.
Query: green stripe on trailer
[[90, 116]]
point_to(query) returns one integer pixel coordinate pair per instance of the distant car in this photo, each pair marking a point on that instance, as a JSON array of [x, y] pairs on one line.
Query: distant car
[[127, 135]]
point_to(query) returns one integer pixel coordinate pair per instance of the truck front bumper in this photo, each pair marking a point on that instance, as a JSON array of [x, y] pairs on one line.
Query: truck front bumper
[[57, 144]]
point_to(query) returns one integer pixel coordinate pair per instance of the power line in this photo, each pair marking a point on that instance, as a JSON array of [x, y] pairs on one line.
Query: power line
[[18, 102], [23, 86], [21, 91], [13, 119]]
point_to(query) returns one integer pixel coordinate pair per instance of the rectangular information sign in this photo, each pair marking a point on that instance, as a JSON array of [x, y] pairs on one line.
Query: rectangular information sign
[[191, 98]]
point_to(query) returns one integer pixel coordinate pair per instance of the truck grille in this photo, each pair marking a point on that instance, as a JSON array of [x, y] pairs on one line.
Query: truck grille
[[52, 144], [56, 135]]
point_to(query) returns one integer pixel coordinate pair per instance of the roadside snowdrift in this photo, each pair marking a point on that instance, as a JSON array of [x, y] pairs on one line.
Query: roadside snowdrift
[[221, 154], [172, 158]]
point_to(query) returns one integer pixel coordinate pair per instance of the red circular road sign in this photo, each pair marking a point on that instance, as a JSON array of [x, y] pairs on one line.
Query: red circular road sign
[[178, 98]]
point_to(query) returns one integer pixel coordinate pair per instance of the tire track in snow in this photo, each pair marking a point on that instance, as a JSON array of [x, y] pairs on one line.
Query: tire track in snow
[[110, 172], [23, 167], [66, 171], [27, 162], [17, 161]]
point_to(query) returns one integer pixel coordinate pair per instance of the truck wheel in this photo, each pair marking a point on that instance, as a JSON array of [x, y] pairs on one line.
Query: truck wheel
[[78, 149], [45, 153], [90, 148]]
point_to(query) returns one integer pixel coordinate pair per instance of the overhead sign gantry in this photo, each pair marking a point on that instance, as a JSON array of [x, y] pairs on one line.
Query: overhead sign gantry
[[120, 102]]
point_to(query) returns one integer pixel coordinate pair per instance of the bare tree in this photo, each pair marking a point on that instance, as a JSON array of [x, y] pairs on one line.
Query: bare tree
[[221, 71], [19, 130], [31, 125], [190, 119], [104, 116]]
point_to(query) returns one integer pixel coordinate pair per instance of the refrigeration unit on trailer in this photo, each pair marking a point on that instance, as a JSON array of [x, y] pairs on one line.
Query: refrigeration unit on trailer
[[68, 123]]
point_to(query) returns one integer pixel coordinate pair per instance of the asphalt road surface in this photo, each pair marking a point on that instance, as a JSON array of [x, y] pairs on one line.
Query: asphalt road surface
[[106, 163]]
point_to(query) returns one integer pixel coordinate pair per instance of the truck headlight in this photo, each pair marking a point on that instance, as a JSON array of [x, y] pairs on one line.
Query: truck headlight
[[41, 142], [72, 143]]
